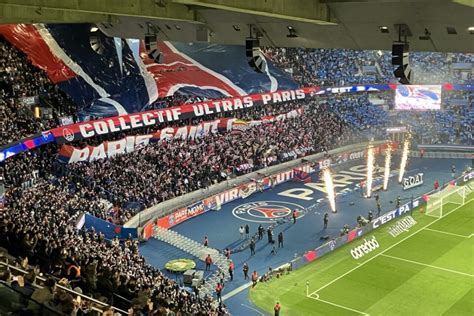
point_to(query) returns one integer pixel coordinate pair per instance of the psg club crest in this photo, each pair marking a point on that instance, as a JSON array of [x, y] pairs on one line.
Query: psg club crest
[[68, 134], [266, 211], [171, 219]]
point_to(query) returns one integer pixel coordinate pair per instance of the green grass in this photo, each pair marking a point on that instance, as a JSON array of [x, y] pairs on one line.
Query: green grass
[[428, 270]]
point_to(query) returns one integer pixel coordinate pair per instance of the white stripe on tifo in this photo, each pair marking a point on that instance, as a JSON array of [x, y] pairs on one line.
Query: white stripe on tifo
[[447, 233], [61, 54], [222, 78], [338, 305], [429, 266], [150, 82], [273, 81], [170, 64], [380, 253], [120, 109], [178, 86], [236, 291]]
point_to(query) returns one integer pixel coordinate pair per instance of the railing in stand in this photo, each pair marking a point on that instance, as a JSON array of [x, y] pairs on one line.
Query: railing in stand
[[84, 297]]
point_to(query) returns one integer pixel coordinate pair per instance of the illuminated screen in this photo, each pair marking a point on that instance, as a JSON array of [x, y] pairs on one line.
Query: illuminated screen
[[418, 98]]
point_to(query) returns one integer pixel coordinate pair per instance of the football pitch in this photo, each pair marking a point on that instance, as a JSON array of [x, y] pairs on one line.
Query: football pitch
[[427, 269]]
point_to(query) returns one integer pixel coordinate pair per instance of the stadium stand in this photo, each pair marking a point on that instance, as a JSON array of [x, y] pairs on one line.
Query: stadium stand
[[196, 164], [45, 199], [55, 203], [339, 67], [39, 223], [315, 66], [21, 81]]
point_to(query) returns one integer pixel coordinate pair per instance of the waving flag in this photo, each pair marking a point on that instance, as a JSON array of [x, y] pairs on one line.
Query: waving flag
[[300, 175], [120, 78]]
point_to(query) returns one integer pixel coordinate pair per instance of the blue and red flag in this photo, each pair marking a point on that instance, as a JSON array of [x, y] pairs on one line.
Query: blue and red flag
[[122, 79], [300, 175]]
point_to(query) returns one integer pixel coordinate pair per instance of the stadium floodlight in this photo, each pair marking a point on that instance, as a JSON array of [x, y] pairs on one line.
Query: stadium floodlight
[[470, 29], [383, 29]]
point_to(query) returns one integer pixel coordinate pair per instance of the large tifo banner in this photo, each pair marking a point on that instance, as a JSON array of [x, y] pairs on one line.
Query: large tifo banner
[[129, 144], [245, 190], [88, 129]]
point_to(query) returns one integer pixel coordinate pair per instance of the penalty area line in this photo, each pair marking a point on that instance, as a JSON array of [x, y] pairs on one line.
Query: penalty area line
[[337, 305], [429, 265], [448, 233]]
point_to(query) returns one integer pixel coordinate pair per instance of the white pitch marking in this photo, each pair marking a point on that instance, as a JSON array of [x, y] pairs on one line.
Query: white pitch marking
[[448, 233], [256, 310], [340, 306], [236, 291], [429, 266], [395, 244]]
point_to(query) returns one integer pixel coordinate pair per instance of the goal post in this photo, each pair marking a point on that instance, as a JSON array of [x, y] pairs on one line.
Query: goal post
[[443, 202]]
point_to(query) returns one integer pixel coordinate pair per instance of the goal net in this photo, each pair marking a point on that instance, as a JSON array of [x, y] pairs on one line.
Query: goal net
[[446, 200]]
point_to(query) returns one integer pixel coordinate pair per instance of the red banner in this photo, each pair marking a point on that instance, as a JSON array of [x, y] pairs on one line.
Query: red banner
[[89, 129], [129, 144]]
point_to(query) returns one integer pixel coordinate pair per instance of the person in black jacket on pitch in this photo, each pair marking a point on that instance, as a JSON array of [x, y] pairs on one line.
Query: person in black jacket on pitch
[[280, 240]]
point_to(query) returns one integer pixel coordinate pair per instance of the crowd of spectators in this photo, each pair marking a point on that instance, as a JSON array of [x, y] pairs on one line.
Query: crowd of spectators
[[359, 110], [167, 169], [40, 223], [23, 85], [452, 125], [43, 209], [339, 67], [43, 206], [254, 113]]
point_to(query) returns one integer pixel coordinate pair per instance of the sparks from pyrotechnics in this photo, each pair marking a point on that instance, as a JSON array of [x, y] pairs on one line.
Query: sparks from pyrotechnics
[[370, 169], [403, 163], [386, 174], [330, 188]]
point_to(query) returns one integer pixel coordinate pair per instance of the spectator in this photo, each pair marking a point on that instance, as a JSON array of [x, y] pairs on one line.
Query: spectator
[[43, 295], [208, 262]]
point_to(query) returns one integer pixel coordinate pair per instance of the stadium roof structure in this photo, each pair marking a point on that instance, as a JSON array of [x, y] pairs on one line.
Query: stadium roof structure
[[435, 25]]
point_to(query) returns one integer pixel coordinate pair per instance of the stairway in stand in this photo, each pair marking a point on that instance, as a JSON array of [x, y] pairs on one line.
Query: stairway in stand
[[197, 250]]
